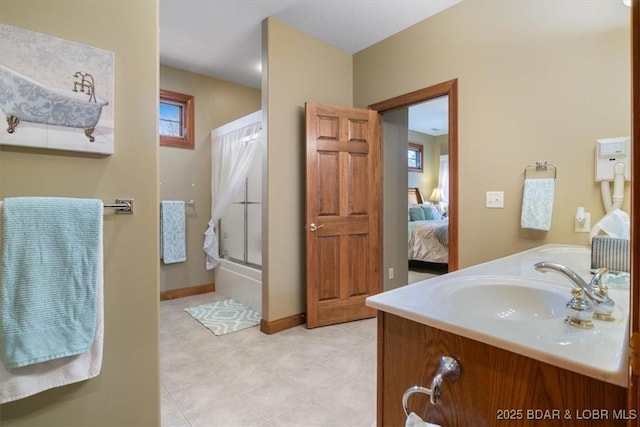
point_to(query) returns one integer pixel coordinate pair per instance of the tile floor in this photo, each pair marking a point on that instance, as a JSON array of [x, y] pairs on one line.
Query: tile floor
[[298, 377], [416, 276]]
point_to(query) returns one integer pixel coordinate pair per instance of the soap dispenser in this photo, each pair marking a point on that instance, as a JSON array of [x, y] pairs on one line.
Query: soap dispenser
[[579, 310]]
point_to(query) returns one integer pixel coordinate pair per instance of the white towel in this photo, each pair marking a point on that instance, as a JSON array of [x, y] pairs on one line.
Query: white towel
[[172, 232], [414, 420], [537, 203], [18, 383]]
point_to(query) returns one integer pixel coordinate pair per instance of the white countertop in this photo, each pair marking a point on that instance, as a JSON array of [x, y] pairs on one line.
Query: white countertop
[[600, 352]]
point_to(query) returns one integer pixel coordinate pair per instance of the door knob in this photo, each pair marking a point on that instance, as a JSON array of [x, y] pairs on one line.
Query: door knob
[[314, 227]]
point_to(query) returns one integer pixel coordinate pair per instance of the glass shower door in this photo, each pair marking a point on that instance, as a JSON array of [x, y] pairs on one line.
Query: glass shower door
[[241, 225]]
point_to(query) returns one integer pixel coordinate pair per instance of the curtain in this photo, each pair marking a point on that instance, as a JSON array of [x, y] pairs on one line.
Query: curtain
[[231, 156], [443, 177]]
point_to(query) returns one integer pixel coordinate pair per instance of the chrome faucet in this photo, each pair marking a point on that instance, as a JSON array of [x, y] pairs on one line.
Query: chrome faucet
[[596, 291]]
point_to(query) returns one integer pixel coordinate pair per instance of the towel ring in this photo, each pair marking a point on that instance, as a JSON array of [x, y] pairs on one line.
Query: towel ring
[[412, 390], [541, 167], [449, 367]]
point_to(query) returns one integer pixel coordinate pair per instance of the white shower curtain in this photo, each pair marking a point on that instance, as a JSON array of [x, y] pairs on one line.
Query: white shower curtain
[[231, 156]]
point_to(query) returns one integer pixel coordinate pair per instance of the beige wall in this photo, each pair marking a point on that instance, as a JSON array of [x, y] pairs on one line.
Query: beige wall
[[537, 81], [127, 390], [186, 174], [394, 216], [296, 68]]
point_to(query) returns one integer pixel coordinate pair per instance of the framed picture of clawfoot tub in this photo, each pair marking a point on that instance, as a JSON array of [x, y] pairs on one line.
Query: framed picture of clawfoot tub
[[55, 93]]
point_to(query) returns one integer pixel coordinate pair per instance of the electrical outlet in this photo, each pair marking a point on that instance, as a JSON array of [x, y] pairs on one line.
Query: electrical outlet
[[494, 199], [391, 273], [583, 226]]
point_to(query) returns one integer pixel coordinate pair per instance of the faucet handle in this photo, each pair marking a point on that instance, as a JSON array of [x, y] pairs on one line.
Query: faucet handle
[[603, 289], [603, 311], [579, 310], [596, 280]]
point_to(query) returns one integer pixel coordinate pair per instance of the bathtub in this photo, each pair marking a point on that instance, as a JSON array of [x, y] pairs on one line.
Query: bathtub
[[240, 282], [22, 99]]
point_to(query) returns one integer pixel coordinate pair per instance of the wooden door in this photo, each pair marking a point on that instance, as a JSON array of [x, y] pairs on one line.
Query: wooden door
[[634, 373], [343, 213]]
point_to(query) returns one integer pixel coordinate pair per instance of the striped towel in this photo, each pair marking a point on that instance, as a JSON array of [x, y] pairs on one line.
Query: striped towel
[[49, 275]]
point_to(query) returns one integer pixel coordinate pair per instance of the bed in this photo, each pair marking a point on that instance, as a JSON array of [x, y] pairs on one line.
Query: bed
[[428, 231]]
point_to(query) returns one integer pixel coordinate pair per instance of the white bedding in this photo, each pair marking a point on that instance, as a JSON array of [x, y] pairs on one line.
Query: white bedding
[[426, 243]]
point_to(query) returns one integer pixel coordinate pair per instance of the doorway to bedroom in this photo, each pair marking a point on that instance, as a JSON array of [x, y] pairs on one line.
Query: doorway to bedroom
[[396, 136], [428, 188]]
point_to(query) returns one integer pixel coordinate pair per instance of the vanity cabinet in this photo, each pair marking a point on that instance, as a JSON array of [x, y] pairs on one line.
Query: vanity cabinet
[[495, 388]]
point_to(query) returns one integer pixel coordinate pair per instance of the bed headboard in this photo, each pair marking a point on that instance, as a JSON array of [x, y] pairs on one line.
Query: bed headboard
[[414, 196]]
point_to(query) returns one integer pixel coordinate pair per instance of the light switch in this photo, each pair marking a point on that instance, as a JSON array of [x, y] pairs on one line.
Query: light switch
[[495, 199]]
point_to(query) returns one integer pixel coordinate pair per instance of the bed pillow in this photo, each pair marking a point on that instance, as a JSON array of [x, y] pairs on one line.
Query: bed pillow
[[430, 212], [416, 214]]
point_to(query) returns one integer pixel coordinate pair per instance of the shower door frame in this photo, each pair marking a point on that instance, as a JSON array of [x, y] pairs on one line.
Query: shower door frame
[[245, 203]]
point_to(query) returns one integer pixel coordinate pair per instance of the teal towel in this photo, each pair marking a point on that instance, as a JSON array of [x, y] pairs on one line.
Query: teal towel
[[48, 278]]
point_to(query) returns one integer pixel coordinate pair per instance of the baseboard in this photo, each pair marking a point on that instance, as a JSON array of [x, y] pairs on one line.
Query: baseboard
[[281, 324], [187, 292]]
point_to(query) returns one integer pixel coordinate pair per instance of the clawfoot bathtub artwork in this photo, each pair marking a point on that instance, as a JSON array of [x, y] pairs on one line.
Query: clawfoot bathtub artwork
[[55, 94], [23, 99]]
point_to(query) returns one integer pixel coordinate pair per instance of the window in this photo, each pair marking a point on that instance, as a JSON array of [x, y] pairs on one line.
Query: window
[[415, 157], [176, 119]]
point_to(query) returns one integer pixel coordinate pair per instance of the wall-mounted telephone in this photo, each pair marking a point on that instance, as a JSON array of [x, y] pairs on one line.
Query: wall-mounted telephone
[[612, 164]]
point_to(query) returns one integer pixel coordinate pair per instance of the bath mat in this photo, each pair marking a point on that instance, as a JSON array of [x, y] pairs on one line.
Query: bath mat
[[225, 316]]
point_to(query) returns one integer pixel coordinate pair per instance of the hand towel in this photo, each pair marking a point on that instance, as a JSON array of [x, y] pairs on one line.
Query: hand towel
[[18, 383], [537, 203], [414, 420], [48, 278], [172, 232]]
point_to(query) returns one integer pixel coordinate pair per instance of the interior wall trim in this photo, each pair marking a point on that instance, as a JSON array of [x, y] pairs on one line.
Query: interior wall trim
[[449, 88], [273, 326], [187, 292]]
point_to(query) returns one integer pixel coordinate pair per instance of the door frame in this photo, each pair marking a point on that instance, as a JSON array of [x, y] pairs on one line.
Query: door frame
[[633, 396], [449, 88]]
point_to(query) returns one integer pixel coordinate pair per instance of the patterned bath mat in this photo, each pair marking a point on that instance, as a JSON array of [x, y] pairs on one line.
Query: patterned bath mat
[[225, 316]]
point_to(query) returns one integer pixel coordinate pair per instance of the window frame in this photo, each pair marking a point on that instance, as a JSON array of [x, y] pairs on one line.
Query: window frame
[[187, 104], [420, 150]]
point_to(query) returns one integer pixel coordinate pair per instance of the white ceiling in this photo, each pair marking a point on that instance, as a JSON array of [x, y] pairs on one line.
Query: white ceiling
[[431, 117], [222, 38]]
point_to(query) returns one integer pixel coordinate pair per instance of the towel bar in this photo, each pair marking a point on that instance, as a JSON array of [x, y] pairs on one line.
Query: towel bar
[[190, 202], [125, 206], [542, 167], [122, 206]]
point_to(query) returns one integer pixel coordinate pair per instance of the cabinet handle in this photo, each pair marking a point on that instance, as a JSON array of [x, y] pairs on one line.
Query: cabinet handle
[[449, 368]]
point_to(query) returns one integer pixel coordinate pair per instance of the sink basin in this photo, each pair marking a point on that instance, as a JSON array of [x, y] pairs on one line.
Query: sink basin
[[510, 301], [508, 304], [503, 298]]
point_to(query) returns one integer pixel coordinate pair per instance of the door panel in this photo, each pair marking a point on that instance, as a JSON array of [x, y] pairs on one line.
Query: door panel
[[358, 262], [328, 257], [328, 184], [358, 185], [343, 205]]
